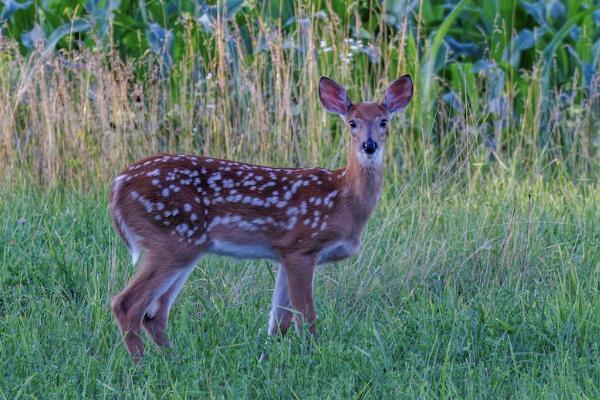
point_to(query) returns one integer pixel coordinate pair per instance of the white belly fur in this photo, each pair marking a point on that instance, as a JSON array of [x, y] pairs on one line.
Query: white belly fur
[[338, 251], [334, 252], [223, 247]]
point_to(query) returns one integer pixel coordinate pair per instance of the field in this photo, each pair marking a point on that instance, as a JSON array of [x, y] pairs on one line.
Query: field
[[479, 275], [461, 291]]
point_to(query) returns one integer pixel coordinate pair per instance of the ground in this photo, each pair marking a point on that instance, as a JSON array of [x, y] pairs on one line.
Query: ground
[[485, 289]]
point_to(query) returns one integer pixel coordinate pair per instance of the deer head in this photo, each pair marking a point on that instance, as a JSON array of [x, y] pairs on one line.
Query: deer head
[[367, 122]]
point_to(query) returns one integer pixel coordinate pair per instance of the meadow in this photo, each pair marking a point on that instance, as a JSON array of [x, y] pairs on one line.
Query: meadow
[[461, 291], [479, 275]]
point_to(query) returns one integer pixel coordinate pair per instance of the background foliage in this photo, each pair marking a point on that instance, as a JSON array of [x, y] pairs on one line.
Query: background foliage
[[494, 80]]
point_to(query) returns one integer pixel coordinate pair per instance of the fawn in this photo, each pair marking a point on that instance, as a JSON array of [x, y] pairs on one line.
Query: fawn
[[178, 207]]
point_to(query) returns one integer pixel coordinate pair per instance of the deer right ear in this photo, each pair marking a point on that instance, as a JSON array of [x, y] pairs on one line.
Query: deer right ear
[[333, 96]]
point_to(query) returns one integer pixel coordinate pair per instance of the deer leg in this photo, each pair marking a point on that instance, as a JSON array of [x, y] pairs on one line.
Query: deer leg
[[157, 315], [280, 317], [300, 271], [129, 307]]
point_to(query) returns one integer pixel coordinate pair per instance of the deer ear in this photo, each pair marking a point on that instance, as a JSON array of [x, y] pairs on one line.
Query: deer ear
[[333, 96], [399, 94]]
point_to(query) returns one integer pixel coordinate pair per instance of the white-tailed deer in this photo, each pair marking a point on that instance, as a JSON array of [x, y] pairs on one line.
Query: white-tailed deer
[[175, 208]]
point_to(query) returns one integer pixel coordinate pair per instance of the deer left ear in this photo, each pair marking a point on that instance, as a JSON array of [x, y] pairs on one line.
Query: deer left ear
[[399, 94]]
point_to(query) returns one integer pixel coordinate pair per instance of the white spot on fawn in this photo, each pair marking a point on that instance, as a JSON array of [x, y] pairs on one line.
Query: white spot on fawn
[[291, 223], [182, 228], [201, 239], [328, 199]]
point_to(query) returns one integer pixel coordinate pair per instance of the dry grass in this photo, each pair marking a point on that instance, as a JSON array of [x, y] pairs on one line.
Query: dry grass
[[77, 117]]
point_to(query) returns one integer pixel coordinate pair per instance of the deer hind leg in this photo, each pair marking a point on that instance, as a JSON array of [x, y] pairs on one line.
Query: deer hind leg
[[157, 315], [154, 279], [280, 317], [300, 271]]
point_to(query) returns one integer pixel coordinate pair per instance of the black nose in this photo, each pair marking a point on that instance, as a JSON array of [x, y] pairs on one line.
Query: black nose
[[369, 146]]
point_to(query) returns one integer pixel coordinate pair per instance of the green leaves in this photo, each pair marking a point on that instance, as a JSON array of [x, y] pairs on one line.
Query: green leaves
[[36, 38], [430, 57], [78, 25], [161, 42], [524, 40], [12, 6], [508, 32]]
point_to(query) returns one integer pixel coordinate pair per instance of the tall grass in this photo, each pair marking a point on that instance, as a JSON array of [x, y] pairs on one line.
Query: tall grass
[[78, 116]]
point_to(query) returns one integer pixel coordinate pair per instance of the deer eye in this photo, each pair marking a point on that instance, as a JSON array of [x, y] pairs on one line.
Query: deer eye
[[352, 124], [383, 123]]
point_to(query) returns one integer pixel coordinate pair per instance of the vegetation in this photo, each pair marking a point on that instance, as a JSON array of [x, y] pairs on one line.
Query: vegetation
[[511, 82], [479, 275], [460, 291]]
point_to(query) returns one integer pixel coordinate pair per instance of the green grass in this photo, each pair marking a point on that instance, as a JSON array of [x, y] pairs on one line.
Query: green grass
[[462, 290]]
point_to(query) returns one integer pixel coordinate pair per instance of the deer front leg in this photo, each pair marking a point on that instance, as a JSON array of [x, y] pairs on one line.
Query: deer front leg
[[300, 271], [280, 317]]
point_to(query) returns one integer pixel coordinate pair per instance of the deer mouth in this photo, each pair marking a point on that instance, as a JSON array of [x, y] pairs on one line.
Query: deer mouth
[[370, 159]]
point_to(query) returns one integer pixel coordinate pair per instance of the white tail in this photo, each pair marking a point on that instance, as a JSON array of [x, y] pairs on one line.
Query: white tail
[[175, 208]]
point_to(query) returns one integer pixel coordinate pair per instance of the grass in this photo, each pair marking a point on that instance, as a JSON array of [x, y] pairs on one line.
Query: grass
[[480, 288]]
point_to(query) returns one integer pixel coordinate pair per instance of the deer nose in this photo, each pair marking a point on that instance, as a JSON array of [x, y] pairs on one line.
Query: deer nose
[[369, 146]]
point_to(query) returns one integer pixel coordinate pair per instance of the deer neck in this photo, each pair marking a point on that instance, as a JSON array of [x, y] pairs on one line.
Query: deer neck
[[363, 184]]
